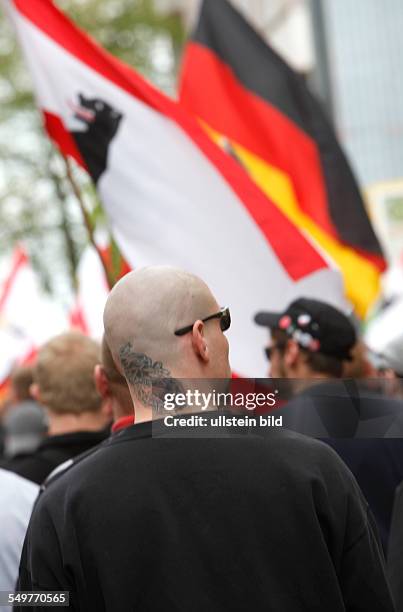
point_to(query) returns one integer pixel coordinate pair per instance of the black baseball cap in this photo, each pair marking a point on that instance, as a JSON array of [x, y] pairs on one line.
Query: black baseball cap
[[315, 325]]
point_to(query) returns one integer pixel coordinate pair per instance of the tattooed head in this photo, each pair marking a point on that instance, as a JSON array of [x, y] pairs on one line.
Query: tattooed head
[[142, 313], [149, 379]]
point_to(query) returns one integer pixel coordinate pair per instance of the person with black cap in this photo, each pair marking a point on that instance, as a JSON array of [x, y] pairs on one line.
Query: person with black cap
[[311, 343], [310, 339]]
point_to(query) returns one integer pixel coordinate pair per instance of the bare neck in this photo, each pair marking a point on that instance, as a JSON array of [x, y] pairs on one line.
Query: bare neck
[[307, 378], [142, 414], [70, 423]]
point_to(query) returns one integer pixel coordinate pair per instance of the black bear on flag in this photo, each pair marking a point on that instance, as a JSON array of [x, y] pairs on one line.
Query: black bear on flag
[[102, 123]]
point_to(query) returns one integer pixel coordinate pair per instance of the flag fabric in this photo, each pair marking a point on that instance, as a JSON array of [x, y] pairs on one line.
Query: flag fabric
[[92, 292], [27, 316], [263, 113], [385, 327], [171, 194]]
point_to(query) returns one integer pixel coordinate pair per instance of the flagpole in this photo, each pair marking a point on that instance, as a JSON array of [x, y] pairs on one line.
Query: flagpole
[[87, 220], [321, 77]]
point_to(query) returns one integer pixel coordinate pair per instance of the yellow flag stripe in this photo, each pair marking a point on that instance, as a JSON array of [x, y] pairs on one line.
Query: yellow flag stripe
[[361, 277]]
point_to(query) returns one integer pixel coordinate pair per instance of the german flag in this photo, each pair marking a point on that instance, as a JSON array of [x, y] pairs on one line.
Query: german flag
[[262, 112]]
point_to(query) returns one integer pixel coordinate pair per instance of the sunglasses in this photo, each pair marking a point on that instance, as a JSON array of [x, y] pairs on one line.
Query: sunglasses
[[223, 315]]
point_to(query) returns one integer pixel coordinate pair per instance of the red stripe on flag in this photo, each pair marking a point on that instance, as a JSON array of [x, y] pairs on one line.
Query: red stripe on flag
[[20, 258], [64, 140], [284, 238], [123, 267], [30, 357], [77, 319], [57, 26], [282, 144]]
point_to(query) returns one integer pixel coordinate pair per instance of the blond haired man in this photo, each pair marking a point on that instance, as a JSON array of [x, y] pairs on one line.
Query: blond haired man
[[77, 417]]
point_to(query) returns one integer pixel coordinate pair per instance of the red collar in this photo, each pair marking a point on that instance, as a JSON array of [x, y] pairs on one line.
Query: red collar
[[122, 423]]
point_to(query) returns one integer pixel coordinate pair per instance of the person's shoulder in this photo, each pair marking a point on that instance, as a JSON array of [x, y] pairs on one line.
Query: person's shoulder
[[306, 444], [302, 452], [18, 496], [11, 485], [33, 466], [96, 457], [57, 487], [69, 469], [73, 473]]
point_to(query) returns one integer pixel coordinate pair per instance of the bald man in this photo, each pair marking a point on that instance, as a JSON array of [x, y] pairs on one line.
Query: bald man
[[248, 522], [146, 336]]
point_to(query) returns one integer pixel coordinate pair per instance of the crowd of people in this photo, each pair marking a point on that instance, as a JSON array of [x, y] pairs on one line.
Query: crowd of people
[[94, 502]]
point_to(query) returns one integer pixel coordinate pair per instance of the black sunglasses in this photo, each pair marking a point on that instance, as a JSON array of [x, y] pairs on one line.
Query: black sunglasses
[[268, 352], [223, 315]]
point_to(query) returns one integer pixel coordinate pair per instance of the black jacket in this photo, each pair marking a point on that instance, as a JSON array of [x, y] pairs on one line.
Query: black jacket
[[356, 422], [245, 523], [53, 451], [395, 552], [377, 465]]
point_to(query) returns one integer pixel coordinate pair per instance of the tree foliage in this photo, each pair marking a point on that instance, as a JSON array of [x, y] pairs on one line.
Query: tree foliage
[[37, 206]]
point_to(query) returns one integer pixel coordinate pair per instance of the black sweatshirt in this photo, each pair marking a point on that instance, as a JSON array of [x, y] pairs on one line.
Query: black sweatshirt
[[251, 522], [53, 451]]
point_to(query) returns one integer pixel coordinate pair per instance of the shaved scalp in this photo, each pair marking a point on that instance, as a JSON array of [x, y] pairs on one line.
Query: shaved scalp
[[141, 315]]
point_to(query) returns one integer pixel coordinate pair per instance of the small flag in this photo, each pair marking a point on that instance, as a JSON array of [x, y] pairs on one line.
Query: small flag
[[27, 316]]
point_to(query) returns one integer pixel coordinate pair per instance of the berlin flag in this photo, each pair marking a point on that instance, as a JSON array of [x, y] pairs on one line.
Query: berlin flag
[[171, 195]]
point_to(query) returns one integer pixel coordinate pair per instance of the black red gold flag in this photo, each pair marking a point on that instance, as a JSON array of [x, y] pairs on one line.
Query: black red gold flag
[[263, 113]]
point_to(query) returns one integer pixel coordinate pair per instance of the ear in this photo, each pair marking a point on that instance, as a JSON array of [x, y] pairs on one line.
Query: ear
[[101, 381], [35, 391], [199, 342], [291, 353]]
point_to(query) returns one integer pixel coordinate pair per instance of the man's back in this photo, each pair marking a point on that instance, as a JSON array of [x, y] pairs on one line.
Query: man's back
[[353, 419], [254, 523]]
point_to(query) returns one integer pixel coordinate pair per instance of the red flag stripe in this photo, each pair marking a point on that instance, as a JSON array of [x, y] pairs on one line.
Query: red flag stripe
[[286, 147], [77, 319], [282, 235], [58, 133], [20, 258]]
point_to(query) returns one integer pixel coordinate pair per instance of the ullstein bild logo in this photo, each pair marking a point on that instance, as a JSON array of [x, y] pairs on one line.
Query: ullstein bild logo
[[196, 420], [203, 401]]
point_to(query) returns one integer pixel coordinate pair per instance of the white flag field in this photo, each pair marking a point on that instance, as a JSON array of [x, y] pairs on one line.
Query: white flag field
[[170, 194], [28, 317], [92, 292]]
